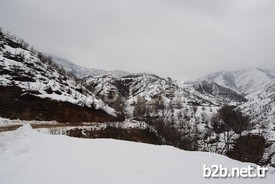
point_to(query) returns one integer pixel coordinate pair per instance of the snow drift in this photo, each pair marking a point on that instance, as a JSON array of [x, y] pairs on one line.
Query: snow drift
[[28, 156]]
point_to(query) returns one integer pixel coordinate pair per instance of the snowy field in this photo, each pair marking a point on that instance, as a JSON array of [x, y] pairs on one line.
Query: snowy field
[[30, 157]]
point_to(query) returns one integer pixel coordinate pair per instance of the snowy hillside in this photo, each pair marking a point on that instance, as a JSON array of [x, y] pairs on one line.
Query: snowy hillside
[[82, 72], [30, 157], [258, 87], [143, 96], [261, 109], [150, 86], [182, 110], [261, 106], [147, 96], [28, 72], [254, 79], [213, 91], [244, 81], [225, 79], [34, 87]]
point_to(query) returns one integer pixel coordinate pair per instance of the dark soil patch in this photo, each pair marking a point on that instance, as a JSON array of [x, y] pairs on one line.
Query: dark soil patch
[[16, 104]]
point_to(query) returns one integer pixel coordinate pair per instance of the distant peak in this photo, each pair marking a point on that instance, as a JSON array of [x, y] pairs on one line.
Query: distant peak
[[255, 69], [83, 72], [268, 73], [244, 81]]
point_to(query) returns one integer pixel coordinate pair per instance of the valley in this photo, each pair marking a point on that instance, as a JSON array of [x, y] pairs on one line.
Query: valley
[[218, 113]]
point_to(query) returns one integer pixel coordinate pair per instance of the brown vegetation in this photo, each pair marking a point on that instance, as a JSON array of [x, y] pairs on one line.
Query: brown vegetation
[[15, 104], [132, 134], [249, 148]]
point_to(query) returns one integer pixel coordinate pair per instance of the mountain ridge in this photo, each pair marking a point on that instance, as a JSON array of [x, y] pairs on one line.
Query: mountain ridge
[[31, 83], [243, 81], [34, 87], [80, 71]]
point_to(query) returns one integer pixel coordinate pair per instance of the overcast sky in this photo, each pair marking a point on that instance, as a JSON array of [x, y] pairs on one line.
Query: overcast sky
[[176, 38]]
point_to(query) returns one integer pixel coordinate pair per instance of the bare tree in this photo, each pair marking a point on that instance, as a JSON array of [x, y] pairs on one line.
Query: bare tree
[[23, 43], [229, 119]]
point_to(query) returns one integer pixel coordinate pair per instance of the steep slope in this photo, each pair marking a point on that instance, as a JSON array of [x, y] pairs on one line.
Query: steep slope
[[140, 88], [33, 88], [150, 87], [254, 79], [212, 90], [258, 87], [225, 79], [185, 109], [243, 81], [163, 104], [261, 106], [81, 72], [261, 109]]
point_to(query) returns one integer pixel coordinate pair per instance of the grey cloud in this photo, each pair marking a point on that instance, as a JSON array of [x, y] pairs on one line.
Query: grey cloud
[[176, 38]]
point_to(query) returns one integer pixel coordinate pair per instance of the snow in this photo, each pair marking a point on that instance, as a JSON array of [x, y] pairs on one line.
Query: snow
[[55, 128], [8, 122], [244, 81], [93, 126], [82, 72], [30, 157], [144, 88], [45, 77]]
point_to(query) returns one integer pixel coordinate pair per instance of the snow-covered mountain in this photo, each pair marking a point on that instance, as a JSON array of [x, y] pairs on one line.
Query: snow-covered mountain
[[261, 106], [149, 85], [189, 105], [257, 86], [214, 91], [149, 88], [28, 76], [162, 102], [35, 87], [81, 72], [243, 81]]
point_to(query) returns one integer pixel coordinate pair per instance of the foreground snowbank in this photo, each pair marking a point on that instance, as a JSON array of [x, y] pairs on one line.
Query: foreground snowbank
[[27, 157]]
